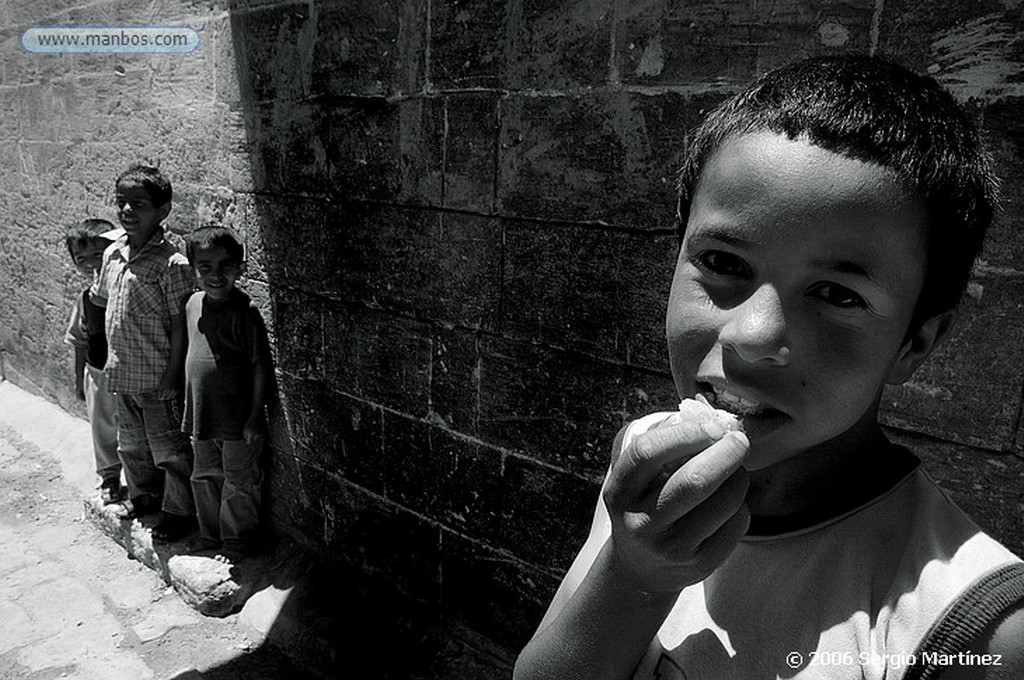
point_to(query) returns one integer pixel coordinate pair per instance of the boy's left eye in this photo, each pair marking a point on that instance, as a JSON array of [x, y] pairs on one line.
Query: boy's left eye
[[839, 296], [721, 263]]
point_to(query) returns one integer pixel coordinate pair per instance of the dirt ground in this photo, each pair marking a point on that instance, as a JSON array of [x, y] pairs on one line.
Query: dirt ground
[[72, 605]]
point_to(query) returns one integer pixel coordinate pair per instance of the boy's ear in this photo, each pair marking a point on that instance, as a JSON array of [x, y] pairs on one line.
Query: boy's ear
[[918, 345], [164, 210]]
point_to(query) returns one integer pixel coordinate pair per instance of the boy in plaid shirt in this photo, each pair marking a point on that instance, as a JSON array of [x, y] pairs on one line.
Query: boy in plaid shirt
[[146, 282]]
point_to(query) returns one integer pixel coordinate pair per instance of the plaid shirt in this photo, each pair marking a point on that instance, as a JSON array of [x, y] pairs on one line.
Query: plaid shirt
[[143, 292]]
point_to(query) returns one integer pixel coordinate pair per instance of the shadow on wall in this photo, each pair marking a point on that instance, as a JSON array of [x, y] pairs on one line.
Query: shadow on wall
[[377, 574]]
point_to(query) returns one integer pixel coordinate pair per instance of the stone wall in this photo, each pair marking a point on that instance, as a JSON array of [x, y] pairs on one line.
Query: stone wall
[[459, 219]]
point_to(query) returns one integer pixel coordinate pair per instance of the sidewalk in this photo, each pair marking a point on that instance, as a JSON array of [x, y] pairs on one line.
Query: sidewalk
[[75, 604], [71, 604]]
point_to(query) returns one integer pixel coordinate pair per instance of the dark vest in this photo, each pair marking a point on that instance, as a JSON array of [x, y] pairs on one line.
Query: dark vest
[[96, 334]]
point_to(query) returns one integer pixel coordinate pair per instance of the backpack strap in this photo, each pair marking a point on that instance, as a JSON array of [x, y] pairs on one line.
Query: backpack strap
[[988, 600]]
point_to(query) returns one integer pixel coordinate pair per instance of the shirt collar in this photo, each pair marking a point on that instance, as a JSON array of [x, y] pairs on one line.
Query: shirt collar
[[154, 242]]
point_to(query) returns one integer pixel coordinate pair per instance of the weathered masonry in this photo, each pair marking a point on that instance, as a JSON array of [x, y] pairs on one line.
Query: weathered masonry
[[459, 217]]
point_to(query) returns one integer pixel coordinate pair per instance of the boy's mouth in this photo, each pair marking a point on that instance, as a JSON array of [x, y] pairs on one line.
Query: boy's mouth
[[723, 399]]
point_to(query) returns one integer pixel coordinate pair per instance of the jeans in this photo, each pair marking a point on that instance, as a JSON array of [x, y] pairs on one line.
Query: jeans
[[226, 482], [155, 453], [101, 408]]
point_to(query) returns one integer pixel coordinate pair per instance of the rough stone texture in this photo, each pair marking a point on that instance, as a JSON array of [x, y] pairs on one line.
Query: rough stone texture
[[207, 584], [459, 218]]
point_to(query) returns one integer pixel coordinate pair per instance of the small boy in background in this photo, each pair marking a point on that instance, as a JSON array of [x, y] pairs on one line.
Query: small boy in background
[[225, 390], [146, 281], [86, 242]]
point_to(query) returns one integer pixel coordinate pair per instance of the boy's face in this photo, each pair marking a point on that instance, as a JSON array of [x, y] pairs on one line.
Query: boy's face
[[793, 293], [136, 212], [89, 257], [216, 271]]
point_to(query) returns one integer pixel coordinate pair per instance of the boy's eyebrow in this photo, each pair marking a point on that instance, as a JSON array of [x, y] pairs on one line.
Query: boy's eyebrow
[[726, 237], [844, 267]]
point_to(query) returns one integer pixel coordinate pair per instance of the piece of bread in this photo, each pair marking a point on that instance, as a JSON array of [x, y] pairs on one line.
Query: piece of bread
[[699, 410]]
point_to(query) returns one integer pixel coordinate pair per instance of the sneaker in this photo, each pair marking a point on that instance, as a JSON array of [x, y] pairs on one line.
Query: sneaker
[[112, 492], [173, 527]]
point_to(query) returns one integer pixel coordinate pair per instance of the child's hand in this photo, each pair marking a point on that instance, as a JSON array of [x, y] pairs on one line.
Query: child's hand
[[675, 497], [165, 393], [251, 431]]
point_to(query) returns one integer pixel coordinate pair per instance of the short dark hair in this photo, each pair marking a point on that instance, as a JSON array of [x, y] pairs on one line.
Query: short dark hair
[[873, 110], [152, 180], [211, 235], [89, 230]]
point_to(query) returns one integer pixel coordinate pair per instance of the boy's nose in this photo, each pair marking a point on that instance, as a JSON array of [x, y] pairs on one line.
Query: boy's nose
[[756, 328]]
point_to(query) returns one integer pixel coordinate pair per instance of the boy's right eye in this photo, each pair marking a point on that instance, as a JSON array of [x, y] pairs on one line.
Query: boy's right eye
[[720, 263]]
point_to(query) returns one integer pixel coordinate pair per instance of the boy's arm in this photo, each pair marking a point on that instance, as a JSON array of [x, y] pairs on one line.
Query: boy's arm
[[75, 336], [171, 379], [651, 537], [80, 353], [178, 288], [597, 626]]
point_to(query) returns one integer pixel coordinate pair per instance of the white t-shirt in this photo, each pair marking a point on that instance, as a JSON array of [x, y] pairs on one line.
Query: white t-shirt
[[850, 598]]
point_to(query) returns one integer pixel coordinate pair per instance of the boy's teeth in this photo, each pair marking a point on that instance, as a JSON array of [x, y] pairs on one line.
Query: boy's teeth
[[736, 403]]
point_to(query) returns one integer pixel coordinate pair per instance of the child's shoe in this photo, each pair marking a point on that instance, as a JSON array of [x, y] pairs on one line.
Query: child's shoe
[[138, 507], [173, 527], [112, 492]]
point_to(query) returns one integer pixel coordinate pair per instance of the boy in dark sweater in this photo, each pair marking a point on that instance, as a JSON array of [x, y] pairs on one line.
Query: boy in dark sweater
[[226, 369]]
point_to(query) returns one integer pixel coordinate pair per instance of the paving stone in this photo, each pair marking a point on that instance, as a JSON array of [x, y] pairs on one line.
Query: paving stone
[[207, 585], [163, 617]]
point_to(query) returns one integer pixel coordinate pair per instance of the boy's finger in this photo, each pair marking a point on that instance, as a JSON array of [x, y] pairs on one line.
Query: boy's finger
[[691, 528], [700, 476], [656, 454]]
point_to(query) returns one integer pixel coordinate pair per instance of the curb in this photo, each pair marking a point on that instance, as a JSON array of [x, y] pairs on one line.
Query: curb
[[326, 616]]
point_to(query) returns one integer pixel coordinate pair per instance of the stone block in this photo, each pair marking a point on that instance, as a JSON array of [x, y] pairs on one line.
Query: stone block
[[965, 46], [595, 157], [476, 494], [558, 45], [560, 407], [368, 47], [715, 43], [528, 45], [969, 391], [417, 475], [351, 149], [548, 514], [455, 379], [597, 291], [470, 152], [382, 358], [299, 327], [468, 44], [291, 240], [336, 432], [436, 266], [207, 585], [1004, 135], [376, 536], [491, 591], [289, 148], [229, 73], [357, 47]]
